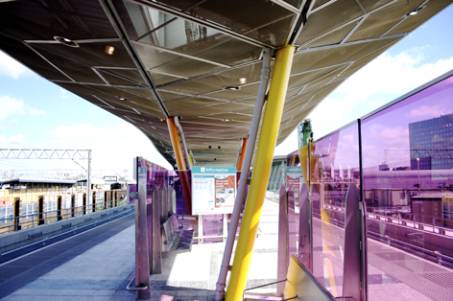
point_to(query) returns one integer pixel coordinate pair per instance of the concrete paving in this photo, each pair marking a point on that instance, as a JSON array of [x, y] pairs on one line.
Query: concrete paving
[[99, 268], [103, 269], [94, 265], [391, 272]]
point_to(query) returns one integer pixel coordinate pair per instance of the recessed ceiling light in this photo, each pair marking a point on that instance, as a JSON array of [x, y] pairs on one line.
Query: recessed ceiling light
[[110, 50], [66, 41], [232, 88], [226, 120], [123, 98], [413, 13], [243, 80]]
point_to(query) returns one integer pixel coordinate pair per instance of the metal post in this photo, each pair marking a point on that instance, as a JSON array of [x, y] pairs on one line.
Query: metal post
[[180, 161], [93, 204], [305, 253], [149, 229], [241, 156], [141, 237], [156, 266], [240, 196], [352, 284], [200, 228], [89, 175], [260, 177], [283, 239], [225, 226]]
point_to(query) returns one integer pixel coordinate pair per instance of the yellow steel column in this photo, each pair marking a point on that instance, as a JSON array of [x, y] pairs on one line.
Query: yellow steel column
[[176, 143], [261, 173]]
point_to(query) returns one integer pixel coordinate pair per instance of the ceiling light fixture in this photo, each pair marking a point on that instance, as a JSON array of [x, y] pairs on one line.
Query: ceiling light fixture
[[416, 10], [232, 88], [226, 120], [110, 50], [123, 98], [66, 41], [243, 80]]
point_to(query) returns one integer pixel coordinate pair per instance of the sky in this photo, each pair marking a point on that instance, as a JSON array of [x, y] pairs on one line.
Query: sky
[[35, 113]]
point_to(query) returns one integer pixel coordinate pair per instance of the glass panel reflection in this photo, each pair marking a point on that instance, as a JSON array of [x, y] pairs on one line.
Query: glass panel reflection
[[335, 169], [162, 31], [408, 188]]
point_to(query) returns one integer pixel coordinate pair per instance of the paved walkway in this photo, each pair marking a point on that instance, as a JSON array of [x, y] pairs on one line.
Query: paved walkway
[[391, 272], [193, 275], [94, 265], [98, 264]]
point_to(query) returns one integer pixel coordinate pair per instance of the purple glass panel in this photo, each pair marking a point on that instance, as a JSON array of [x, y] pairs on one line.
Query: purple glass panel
[[212, 227], [159, 182], [408, 188], [335, 169], [293, 182], [132, 193], [183, 203]]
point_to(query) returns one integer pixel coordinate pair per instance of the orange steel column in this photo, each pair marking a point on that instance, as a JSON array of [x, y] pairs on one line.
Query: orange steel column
[[176, 143], [180, 162], [241, 157]]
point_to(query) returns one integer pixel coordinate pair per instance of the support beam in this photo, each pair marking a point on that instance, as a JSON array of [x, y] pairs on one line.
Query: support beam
[[240, 196], [183, 143], [115, 20], [176, 143], [180, 162], [261, 172], [241, 156]]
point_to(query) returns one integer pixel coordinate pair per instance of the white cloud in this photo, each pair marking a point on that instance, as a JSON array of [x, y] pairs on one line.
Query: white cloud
[[113, 147], [13, 140], [11, 68], [384, 79], [10, 106], [427, 111]]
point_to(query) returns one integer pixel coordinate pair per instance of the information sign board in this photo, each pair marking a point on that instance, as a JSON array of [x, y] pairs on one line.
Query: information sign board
[[213, 190]]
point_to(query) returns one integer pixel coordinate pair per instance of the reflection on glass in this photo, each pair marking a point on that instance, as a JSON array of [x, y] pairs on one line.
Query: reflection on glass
[[408, 188], [168, 36], [335, 169]]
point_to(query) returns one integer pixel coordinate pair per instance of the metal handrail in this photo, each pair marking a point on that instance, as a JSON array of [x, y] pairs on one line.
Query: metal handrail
[[32, 220]]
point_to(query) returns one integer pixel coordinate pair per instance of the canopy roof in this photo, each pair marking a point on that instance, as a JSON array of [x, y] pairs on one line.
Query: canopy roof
[[200, 60]]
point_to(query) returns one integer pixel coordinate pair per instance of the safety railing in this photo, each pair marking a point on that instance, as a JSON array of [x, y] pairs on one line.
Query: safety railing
[[376, 193], [34, 219]]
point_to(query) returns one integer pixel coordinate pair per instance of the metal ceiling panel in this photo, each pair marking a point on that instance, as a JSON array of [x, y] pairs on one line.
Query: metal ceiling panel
[[271, 26], [329, 18], [203, 56]]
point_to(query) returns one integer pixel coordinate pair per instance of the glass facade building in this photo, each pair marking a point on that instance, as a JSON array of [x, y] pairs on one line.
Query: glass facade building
[[430, 143]]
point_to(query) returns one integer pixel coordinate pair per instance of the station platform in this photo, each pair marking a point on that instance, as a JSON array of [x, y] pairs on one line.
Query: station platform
[[93, 265], [98, 265]]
